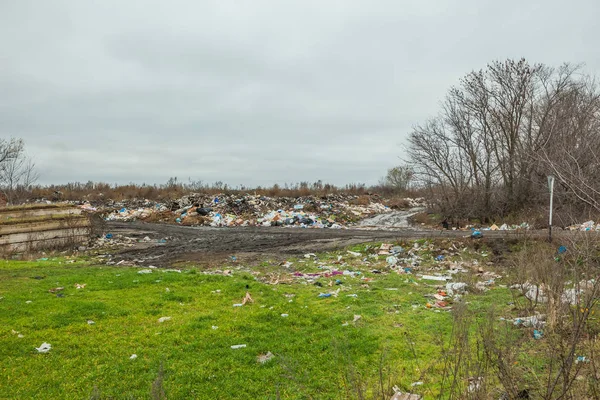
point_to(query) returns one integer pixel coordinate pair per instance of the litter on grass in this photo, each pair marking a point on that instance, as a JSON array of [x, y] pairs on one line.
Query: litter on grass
[[263, 358], [44, 348], [163, 319], [238, 346]]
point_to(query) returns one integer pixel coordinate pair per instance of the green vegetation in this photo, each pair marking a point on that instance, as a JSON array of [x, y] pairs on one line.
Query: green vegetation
[[319, 351]]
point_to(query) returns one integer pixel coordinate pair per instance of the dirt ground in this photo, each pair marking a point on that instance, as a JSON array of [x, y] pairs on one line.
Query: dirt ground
[[204, 244]]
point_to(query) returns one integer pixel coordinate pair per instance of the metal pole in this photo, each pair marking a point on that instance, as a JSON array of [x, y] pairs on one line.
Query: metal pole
[[551, 187]]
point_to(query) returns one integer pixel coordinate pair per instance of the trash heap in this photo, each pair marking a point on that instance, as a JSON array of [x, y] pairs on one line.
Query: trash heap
[[505, 227], [333, 211], [585, 227]]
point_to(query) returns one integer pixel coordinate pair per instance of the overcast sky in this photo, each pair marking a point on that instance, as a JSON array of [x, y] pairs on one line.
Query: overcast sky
[[254, 92]]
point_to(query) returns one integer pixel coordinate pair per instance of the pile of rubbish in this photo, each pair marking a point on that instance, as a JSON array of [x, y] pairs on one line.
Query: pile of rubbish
[[333, 211], [505, 227], [585, 227]]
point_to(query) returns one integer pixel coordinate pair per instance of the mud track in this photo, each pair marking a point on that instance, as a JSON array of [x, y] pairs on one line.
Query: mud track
[[204, 243]]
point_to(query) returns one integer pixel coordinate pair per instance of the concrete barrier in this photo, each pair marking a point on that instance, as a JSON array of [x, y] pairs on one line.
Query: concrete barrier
[[38, 227]]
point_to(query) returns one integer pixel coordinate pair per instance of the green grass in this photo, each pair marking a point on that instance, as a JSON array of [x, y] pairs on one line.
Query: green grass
[[315, 355]]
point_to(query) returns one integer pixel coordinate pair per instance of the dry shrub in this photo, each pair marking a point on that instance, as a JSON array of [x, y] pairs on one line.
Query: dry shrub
[[361, 201], [397, 203]]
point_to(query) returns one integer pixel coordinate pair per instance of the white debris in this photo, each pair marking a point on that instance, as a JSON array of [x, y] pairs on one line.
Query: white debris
[[133, 357], [163, 319], [145, 271], [455, 288], [285, 315], [436, 278], [214, 327], [534, 321], [392, 261], [90, 322], [354, 253], [263, 358], [238, 346], [44, 348]]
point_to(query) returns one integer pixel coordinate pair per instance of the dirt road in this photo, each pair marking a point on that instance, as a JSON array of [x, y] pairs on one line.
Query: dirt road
[[194, 244]]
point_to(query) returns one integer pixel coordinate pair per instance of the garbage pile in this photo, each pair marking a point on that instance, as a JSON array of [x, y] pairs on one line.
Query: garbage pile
[[585, 227], [333, 211]]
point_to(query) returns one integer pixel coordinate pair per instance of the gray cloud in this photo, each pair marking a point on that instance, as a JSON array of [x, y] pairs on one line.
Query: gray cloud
[[256, 92]]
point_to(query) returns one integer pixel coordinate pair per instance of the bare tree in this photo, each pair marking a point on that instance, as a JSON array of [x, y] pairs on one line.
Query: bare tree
[[399, 178], [17, 171], [501, 131]]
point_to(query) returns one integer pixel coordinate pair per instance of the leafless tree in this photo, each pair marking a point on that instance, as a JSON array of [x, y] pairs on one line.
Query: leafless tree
[[17, 171], [502, 130]]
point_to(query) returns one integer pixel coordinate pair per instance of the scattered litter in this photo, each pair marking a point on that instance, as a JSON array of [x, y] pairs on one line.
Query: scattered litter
[[309, 255], [285, 315], [171, 270], [419, 383], [214, 327], [163, 319], [356, 318], [475, 384], [581, 359], [57, 289], [28, 302], [324, 294], [453, 288], [391, 260], [354, 253], [145, 271], [476, 234], [44, 348], [352, 295], [398, 395], [133, 357], [109, 236], [80, 285], [247, 299], [263, 358], [534, 321], [537, 334], [238, 346], [436, 278], [90, 322], [562, 249]]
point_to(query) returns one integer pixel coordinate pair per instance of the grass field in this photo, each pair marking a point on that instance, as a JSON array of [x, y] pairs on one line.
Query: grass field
[[319, 352]]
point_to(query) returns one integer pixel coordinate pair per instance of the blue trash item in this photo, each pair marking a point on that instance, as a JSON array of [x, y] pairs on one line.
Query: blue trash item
[[440, 258], [122, 210], [408, 270], [299, 207], [476, 234], [109, 236], [325, 295], [562, 249], [338, 282], [233, 258], [178, 220], [216, 200], [537, 334]]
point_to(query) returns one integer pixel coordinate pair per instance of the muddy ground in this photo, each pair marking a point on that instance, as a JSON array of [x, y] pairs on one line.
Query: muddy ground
[[205, 244]]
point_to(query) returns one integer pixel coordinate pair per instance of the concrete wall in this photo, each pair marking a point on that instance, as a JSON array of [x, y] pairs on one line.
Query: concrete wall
[[42, 227]]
